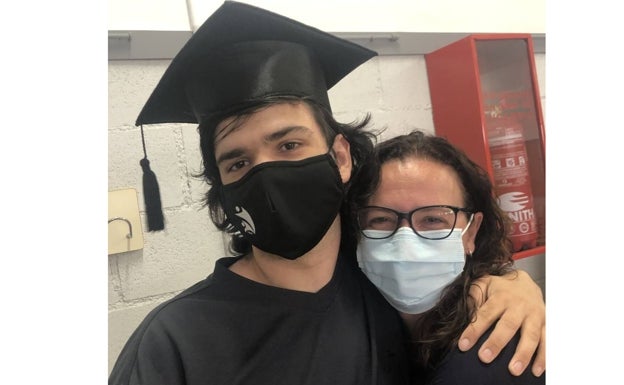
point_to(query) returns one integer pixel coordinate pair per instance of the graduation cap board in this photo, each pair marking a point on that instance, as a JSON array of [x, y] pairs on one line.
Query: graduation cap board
[[240, 54]]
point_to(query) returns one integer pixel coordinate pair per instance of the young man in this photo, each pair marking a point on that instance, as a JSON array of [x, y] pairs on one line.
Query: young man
[[291, 307]]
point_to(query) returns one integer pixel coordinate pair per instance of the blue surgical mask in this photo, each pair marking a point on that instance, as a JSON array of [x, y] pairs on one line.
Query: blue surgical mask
[[410, 271]]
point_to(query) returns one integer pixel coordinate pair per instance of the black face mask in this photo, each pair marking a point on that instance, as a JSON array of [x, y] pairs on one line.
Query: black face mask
[[285, 207]]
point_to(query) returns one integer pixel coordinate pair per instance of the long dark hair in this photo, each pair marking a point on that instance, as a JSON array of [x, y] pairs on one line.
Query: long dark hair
[[438, 329], [361, 146]]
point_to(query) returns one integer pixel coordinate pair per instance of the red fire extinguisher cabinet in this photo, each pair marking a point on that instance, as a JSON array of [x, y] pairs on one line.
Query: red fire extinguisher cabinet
[[485, 100]]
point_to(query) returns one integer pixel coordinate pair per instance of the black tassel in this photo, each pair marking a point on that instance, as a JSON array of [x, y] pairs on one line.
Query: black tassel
[[151, 194]]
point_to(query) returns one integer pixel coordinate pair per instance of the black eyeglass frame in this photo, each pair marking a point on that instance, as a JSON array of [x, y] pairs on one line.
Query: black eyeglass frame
[[408, 215]]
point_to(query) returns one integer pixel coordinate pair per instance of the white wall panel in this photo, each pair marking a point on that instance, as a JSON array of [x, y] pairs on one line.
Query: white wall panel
[[459, 16]]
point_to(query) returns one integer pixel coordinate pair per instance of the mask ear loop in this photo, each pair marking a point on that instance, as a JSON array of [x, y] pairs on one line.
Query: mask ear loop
[[469, 252], [468, 225]]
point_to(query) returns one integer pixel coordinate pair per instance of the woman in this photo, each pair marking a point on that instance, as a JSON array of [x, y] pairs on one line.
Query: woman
[[429, 226]]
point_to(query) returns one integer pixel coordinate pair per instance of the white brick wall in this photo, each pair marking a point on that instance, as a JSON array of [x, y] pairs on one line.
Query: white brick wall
[[394, 89]]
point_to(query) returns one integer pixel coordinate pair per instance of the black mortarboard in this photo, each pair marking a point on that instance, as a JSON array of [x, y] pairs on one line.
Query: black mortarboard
[[242, 53]]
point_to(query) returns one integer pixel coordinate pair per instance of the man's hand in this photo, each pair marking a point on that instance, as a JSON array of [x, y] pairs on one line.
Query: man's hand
[[516, 302]]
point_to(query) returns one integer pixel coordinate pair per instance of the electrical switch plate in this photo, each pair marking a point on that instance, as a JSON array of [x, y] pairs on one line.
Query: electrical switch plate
[[125, 232]]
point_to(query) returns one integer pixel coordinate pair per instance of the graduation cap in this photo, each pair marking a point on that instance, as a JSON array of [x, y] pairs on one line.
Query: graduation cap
[[240, 54]]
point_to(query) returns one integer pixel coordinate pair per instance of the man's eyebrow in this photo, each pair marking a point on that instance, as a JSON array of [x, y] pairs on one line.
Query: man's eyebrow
[[277, 135], [230, 155]]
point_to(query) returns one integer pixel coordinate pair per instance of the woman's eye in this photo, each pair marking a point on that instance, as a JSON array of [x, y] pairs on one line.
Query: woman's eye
[[378, 220], [432, 220], [379, 223]]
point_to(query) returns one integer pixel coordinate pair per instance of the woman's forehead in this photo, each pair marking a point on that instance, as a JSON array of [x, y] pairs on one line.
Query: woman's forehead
[[414, 182]]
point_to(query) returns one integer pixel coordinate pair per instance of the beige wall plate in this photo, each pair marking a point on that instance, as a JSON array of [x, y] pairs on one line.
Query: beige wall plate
[[125, 232]]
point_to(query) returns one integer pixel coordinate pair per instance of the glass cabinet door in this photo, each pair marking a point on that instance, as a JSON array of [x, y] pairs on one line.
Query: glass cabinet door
[[513, 134], [485, 100]]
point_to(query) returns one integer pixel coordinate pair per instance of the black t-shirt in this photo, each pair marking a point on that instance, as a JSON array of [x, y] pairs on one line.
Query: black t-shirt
[[231, 330], [466, 368]]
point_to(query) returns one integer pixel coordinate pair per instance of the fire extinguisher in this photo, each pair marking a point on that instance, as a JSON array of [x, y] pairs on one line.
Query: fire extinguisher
[[511, 179]]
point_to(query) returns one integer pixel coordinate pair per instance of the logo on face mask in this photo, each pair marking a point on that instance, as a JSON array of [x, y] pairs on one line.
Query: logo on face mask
[[247, 223]]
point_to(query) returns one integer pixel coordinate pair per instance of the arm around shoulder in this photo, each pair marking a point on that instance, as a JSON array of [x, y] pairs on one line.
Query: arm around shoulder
[[511, 302], [465, 368]]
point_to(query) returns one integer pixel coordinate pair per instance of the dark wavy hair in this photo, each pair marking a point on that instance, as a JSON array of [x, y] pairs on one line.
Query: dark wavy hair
[[438, 330], [360, 140]]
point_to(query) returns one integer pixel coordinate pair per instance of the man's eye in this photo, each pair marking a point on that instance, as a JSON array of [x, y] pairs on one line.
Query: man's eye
[[238, 165], [290, 146]]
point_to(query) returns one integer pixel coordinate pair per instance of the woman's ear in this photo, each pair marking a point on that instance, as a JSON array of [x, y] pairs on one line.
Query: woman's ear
[[471, 233], [341, 150]]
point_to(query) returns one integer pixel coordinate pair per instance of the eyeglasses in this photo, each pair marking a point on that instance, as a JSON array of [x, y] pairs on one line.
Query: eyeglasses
[[430, 222]]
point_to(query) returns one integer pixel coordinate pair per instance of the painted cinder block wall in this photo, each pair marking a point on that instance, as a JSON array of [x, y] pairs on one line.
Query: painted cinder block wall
[[394, 89]]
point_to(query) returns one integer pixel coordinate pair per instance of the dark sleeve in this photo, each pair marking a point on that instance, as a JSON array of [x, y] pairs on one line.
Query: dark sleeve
[[466, 368], [150, 357]]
